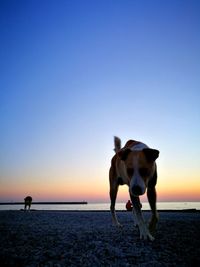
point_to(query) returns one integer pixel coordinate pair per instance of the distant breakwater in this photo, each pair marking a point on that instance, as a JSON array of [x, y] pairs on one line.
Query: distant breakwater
[[47, 203]]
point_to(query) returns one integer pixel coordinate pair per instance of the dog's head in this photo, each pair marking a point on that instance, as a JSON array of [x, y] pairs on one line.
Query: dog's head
[[140, 167]]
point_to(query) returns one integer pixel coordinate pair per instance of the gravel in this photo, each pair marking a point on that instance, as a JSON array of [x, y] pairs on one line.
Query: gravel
[[66, 238]]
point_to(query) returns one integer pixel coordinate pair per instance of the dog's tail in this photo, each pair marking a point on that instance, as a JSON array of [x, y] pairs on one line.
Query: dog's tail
[[117, 143]]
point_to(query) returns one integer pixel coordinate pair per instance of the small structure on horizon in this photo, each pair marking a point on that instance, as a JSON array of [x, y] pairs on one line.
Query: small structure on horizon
[[27, 202]]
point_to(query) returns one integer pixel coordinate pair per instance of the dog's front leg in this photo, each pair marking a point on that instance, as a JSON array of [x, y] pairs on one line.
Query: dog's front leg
[[113, 195], [151, 195], [144, 231]]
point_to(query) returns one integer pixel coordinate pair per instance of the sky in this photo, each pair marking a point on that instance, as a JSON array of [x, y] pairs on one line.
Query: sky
[[75, 73]]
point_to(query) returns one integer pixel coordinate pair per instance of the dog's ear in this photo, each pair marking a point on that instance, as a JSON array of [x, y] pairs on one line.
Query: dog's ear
[[123, 153], [151, 154]]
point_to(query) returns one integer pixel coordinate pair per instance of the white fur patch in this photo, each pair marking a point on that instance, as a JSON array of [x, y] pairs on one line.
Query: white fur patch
[[139, 147]]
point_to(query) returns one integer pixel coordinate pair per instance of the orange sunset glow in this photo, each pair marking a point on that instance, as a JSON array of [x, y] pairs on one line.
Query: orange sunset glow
[[97, 191]]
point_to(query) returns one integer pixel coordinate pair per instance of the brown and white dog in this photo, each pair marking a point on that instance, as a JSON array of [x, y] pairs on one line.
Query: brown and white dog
[[134, 165]]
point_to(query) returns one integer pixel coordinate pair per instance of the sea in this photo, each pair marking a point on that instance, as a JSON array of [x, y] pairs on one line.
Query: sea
[[105, 206]]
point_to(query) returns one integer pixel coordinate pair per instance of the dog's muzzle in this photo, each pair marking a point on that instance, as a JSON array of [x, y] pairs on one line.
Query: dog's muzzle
[[137, 190]]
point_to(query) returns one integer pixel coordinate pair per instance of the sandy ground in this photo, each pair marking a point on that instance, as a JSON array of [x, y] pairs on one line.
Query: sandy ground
[[57, 238]]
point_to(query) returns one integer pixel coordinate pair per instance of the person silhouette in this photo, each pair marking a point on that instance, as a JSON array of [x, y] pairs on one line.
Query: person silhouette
[[27, 202], [129, 206]]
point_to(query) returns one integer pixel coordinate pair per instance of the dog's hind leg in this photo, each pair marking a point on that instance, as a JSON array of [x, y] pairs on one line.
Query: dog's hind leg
[[113, 195]]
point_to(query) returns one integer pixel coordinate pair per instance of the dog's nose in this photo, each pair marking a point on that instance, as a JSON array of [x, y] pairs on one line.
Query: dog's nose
[[137, 190]]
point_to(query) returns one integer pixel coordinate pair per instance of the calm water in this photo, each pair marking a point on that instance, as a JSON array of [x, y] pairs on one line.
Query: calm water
[[106, 206]]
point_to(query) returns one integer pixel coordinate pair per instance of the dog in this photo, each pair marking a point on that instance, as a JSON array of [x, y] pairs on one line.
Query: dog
[[135, 166]]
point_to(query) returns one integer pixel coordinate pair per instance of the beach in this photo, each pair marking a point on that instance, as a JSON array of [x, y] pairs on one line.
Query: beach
[[88, 238]]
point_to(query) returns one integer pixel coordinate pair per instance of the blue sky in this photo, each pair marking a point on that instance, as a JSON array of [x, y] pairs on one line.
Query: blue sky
[[75, 73]]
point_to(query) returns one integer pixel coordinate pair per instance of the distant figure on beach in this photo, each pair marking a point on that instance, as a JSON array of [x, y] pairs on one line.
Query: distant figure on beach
[[129, 206], [27, 202]]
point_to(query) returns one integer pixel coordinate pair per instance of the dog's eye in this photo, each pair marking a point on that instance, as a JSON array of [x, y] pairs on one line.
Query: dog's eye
[[144, 171], [130, 171]]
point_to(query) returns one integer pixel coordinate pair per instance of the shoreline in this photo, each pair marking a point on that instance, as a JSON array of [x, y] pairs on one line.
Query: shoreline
[[85, 211], [47, 203]]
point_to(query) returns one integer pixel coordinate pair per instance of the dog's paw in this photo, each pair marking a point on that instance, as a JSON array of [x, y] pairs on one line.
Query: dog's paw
[[117, 224], [145, 234], [152, 225]]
